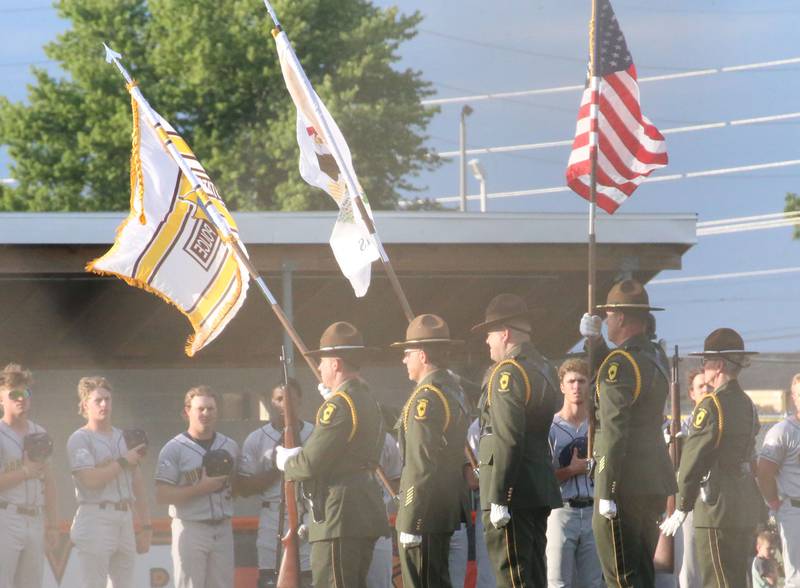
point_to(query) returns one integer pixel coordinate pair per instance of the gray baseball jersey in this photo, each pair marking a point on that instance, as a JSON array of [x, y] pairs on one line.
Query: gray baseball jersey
[[563, 439], [257, 455], [89, 449], [181, 463], [30, 492], [391, 463], [782, 447]]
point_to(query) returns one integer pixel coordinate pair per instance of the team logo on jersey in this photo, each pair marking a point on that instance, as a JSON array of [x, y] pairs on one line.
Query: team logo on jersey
[[699, 418], [611, 375], [421, 411], [327, 413], [505, 380]]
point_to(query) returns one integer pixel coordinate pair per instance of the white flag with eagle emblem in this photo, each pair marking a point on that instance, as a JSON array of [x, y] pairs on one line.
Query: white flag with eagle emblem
[[326, 168]]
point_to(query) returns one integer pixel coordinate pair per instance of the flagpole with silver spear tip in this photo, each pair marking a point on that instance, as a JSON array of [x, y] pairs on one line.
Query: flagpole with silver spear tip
[[352, 184], [217, 221]]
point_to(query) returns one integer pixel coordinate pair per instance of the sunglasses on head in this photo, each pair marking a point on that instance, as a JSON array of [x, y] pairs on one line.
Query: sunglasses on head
[[18, 395]]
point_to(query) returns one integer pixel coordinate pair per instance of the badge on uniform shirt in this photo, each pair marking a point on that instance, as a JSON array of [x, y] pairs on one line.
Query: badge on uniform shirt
[[505, 380], [611, 375], [421, 410], [699, 418], [327, 413]]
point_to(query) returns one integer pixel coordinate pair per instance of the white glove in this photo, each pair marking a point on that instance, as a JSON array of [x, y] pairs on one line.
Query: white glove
[[302, 532], [282, 454], [324, 391], [607, 508], [673, 523], [408, 540], [591, 325], [499, 515]]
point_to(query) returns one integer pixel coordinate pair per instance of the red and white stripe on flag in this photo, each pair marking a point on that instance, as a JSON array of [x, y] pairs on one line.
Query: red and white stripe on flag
[[630, 147]]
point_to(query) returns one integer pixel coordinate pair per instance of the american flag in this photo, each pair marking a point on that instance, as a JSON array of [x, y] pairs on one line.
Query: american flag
[[630, 146]]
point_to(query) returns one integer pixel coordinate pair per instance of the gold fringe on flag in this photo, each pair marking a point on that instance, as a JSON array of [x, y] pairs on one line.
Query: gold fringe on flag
[[137, 177]]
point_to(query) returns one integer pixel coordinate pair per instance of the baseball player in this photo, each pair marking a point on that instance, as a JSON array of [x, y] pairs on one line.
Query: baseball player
[[258, 475], [779, 480], [27, 488], [109, 490], [200, 501]]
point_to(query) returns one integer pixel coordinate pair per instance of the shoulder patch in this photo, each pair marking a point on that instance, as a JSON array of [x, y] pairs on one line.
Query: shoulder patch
[[503, 382], [611, 374], [326, 413], [421, 410], [699, 418]]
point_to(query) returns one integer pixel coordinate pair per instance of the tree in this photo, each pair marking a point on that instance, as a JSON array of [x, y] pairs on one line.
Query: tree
[[211, 69], [793, 205]]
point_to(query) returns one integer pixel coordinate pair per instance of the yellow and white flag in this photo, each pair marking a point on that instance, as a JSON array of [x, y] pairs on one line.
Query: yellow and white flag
[[167, 245], [325, 162]]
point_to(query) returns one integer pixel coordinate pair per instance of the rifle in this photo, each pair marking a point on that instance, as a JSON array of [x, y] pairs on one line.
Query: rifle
[[289, 571], [664, 558]]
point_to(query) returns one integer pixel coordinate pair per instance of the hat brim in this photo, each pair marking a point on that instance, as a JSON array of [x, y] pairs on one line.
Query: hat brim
[[722, 353], [343, 351], [487, 325], [419, 343], [623, 306]]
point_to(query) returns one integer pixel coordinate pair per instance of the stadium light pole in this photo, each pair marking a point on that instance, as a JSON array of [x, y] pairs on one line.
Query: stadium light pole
[[480, 175], [466, 110]]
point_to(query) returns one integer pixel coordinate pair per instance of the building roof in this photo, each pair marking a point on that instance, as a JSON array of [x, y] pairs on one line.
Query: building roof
[[449, 263]]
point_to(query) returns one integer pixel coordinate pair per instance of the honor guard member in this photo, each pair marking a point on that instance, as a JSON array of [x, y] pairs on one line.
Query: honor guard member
[[715, 478], [258, 475], [336, 465], [518, 487], [28, 515], [432, 430], [633, 473], [194, 478], [779, 480], [110, 491]]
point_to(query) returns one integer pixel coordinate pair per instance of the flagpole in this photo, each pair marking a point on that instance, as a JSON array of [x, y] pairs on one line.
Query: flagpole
[[594, 145], [352, 185], [217, 221]]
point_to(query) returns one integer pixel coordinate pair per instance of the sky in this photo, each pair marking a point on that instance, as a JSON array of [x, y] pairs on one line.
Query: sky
[[466, 47]]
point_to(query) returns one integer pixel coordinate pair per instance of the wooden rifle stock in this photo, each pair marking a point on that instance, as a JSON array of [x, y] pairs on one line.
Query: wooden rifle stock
[[664, 559], [289, 572]]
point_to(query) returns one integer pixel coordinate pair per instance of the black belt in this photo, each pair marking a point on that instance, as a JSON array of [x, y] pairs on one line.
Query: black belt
[[795, 502], [580, 502], [213, 522], [28, 511], [122, 506], [265, 504]]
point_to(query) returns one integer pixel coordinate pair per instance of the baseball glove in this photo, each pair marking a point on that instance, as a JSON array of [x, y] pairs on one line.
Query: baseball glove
[[38, 446], [218, 462]]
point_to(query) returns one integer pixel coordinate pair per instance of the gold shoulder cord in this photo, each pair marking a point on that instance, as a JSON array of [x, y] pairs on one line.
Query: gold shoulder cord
[[637, 389], [713, 396], [415, 393], [497, 368], [352, 406]]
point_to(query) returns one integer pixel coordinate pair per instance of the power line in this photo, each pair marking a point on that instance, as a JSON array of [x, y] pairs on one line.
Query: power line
[[665, 178], [671, 131], [27, 9], [726, 276], [659, 78], [740, 219], [25, 63]]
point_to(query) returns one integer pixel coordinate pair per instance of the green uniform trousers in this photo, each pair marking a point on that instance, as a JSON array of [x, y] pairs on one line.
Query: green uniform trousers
[[341, 562], [724, 556], [626, 544], [517, 550], [425, 566]]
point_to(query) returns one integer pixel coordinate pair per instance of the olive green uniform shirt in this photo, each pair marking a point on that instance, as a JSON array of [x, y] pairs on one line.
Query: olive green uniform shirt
[[336, 466], [630, 454], [432, 430], [519, 400], [717, 457]]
